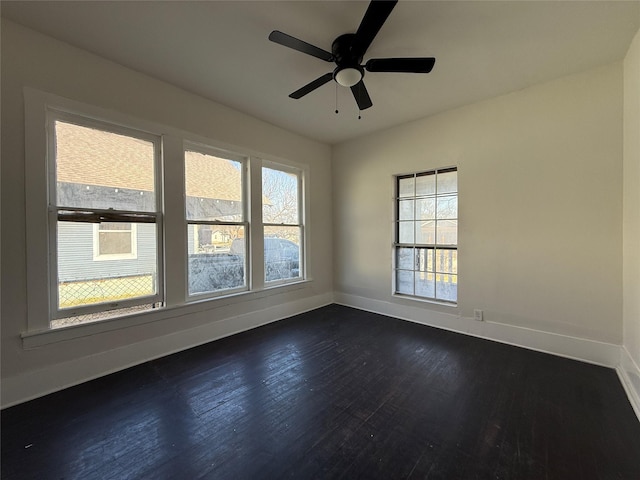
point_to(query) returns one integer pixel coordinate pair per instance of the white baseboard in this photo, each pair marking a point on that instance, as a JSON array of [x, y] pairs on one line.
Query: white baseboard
[[629, 374], [37, 383], [591, 351]]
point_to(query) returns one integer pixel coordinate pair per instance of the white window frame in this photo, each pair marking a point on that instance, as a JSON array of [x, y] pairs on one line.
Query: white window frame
[[300, 175], [101, 257], [170, 194], [244, 162], [58, 212], [41, 110], [435, 246]]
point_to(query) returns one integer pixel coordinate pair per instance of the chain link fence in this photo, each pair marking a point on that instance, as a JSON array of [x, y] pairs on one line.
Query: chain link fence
[[88, 292]]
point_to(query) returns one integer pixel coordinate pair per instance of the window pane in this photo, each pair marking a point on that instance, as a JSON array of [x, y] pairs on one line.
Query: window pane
[[281, 253], [425, 184], [447, 182], [213, 238], [216, 258], [214, 188], [406, 186], [405, 210], [446, 261], [102, 170], [426, 232], [279, 197], [404, 282], [426, 208], [405, 258], [405, 233], [447, 232], [448, 206], [424, 259], [447, 287], [86, 279], [425, 286]]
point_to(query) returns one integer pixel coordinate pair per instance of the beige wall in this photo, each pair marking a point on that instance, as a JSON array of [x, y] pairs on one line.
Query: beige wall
[[631, 218], [34, 60], [540, 181]]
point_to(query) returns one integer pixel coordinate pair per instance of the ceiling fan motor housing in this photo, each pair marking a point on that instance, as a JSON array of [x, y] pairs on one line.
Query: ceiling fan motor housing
[[347, 60]]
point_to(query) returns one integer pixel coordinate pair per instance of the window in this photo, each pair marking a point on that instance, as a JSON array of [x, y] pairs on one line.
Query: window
[[216, 221], [114, 241], [282, 221], [125, 216], [104, 211], [426, 235]]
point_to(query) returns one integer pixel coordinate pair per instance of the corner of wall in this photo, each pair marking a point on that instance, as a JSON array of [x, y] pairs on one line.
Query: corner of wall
[[629, 374], [629, 371]]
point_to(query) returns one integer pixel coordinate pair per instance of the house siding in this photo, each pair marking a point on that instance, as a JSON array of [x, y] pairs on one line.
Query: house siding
[[75, 254]]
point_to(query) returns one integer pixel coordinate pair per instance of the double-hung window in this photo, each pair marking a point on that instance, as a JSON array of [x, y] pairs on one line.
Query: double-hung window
[[104, 220], [217, 228], [426, 235], [125, 216], [282, 220]]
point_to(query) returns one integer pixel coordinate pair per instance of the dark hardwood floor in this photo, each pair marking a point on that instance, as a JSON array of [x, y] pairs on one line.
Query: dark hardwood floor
[[333, 393]]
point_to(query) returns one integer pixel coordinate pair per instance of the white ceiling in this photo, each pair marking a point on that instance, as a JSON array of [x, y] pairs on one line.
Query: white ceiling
[[220, 50]]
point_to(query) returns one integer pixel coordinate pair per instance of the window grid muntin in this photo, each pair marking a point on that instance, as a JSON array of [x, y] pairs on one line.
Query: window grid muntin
[[435, 247], [58, 213]]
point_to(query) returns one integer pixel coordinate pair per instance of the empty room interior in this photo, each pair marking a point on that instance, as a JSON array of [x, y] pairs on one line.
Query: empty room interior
[[320, 239]]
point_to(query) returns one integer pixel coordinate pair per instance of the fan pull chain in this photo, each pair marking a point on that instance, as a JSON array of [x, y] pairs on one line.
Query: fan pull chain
[[336, 98]]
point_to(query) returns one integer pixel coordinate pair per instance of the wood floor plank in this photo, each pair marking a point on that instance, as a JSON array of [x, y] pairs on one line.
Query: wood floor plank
[[330, 394]]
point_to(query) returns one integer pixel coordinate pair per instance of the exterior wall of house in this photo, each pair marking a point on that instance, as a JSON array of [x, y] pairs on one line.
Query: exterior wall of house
[[35, 60], [631, 223], [540, 212], [76, 261]]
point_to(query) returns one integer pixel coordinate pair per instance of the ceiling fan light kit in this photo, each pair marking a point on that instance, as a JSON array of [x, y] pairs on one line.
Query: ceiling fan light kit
[[348, 77], [347, 52]]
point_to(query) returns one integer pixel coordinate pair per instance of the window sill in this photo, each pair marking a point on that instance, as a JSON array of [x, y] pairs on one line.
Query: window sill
[[426, 300], [41, 338]]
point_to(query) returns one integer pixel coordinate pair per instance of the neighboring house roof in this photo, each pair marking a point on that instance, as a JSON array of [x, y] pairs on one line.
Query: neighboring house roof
[[93, 157], [211, 179]]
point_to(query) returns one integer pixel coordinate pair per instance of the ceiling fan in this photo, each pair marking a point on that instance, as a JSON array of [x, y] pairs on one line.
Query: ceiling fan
[[347, 52]]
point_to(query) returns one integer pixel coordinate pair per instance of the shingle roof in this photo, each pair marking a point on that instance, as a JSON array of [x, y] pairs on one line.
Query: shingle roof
[[94, 157], [209, 177]]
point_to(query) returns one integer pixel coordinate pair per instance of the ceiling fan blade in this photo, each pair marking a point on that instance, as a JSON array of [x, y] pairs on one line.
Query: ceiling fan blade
[[407, 65], [361, 95], [373, 19], [304, 47], [310, 87]]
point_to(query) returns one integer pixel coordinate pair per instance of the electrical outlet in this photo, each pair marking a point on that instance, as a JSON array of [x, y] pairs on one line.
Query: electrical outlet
[[477, 315]]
